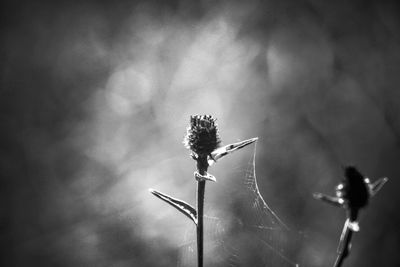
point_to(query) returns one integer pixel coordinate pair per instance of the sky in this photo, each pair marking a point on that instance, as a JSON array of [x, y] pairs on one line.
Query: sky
[[95, 98]]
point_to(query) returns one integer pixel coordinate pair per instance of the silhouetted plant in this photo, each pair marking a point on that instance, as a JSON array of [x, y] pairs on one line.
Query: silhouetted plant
[[352, 194], [203, 140]]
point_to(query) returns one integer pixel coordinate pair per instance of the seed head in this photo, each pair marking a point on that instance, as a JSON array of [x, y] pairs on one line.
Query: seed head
[[202, 136], [355, 190]]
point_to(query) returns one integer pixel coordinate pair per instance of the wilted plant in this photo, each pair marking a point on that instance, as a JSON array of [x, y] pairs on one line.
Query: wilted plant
[[352, 194], [203, 140]]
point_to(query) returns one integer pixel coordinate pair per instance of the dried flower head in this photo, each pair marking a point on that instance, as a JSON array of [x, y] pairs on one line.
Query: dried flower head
[[353, 193], [355, 190], [202, 135]]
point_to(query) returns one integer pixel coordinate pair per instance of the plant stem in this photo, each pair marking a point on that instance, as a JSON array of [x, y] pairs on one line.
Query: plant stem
[[200, 211], [202, 166], [344, 245]]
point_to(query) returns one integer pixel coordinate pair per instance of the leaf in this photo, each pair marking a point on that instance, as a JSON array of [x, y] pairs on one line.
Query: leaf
[[206, 177], [377, 185], [228, 149], [335, 201], [180, 205]]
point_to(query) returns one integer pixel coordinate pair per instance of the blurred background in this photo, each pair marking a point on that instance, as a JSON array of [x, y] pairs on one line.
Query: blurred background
[[95, 98]]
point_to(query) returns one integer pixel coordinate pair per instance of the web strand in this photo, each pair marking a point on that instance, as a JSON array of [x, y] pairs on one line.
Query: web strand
[[252, 234]]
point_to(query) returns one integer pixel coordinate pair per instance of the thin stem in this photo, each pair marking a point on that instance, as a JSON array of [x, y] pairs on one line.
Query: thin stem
[[200, 213], [202, 166], [344, 245]]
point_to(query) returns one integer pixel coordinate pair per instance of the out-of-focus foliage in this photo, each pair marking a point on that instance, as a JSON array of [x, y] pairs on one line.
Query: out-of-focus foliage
[[95, 97]]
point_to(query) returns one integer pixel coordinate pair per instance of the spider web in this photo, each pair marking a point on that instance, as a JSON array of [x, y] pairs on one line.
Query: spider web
[[242, 229]]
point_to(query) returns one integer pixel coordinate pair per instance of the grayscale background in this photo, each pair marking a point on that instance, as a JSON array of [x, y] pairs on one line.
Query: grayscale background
[[95, 98]]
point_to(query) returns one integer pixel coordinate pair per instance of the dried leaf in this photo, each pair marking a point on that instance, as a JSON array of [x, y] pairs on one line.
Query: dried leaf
[[180, 205], [225, 150]]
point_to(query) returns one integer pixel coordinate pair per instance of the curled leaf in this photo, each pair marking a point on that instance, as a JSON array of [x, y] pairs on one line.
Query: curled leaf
[[353, 225], [180, 205], [205, 177], [228, 149], [376, 186]]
